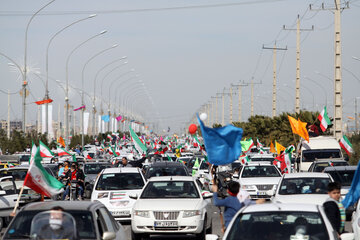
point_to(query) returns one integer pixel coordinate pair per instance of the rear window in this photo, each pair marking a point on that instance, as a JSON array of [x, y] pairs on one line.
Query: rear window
[[343, 177], [20, 227], [166, 171], [311, 155]]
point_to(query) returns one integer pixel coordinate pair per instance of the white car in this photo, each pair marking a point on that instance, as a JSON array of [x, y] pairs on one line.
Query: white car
[[280, 221], [171, 204], [113, 187], [355, 222], [259, 179], [303, 187]]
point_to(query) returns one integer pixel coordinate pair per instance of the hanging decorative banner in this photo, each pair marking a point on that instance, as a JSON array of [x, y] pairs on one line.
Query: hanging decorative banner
[[77, 109], [44, 101], [105, 118], [118, 118], [43, 118], [99, 124], [86, 122]]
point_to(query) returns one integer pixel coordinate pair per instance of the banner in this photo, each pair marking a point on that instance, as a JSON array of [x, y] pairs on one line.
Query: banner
[[99, 124], [86, 122], [118, 118], [43, 119], [77, 109], [102, 127], [115, 126]]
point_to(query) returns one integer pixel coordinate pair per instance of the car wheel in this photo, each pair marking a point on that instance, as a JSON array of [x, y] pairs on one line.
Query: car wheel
[[87, 194], [136, 236], [201, 236], [209, 230]]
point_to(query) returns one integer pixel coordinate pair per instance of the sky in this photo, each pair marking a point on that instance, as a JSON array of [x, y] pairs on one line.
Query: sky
[[182, 54]]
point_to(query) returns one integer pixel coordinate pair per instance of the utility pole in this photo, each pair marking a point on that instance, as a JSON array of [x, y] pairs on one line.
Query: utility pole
[[274, 77], [297, 86], [252, 97], [338, 111], [215, 119], [239, 86], [356, 117], [8, 118]]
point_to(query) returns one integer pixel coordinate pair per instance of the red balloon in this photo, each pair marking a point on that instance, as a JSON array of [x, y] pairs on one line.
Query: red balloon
[[192, 129]]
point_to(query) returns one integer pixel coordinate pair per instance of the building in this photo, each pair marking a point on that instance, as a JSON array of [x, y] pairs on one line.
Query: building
[[17, 125]]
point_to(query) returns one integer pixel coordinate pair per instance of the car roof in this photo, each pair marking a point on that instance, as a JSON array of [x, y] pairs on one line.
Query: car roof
[[329, 160], [102, 163], [66, 205], [262, 156], [267, 207], [306, 175], [121, 170], [260, 163], [166, 164], [340, 168], [171, 178]]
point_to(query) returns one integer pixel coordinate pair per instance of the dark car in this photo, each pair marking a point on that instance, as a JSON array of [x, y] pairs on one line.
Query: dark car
[[166, 169], [93, 220], [91, 170], [320, 165]]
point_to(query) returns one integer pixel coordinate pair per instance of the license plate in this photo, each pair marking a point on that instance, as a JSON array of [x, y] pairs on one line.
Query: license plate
[[120, 213], [166, 224], [261, 193]]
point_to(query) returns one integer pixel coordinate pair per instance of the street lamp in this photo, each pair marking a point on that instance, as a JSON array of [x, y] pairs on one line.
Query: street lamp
[[67, 84], [82, 87], [25, 64], [47, 66], [96, 75]]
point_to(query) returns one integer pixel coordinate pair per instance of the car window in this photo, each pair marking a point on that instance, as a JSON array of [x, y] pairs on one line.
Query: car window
[[343, 177], [311, 155], [204, 165], [165, 171], [17, 174], [107, 220], [260, 171], [304, 186], [8, 186], [170, 189], [120, 181], [21, 224], [94, 168], [278, 225]]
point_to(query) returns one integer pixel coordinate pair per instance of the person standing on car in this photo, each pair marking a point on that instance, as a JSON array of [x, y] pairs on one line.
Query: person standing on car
[[70, 176], [124, 162]]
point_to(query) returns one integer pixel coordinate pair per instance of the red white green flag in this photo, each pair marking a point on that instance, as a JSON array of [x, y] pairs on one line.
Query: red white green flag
[[39, 180], [260, 147], [244, 159], [324, 120], [139, 146], [62, 152], [45, 152], [346, 145]]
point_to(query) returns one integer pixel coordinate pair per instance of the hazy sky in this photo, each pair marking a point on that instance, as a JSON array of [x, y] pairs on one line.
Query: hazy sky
[[183, 51]]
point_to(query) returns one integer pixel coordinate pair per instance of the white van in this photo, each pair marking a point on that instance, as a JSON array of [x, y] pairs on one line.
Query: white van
[[321, 147]]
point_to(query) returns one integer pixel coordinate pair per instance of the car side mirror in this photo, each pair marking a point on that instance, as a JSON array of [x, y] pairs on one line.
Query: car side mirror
[[347, 236], [236, 176], [108, 236], [207, 195], [133, 196], [206, 171], [2, 192], [211, 237]]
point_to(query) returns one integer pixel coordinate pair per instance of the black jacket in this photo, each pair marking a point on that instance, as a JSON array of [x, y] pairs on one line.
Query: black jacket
[[333, 214]]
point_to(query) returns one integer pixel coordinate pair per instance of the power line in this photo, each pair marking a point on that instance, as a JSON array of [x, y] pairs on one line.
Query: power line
[[26, 13]]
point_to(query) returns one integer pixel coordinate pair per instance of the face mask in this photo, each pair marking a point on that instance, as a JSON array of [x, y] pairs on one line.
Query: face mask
[[55, 224]]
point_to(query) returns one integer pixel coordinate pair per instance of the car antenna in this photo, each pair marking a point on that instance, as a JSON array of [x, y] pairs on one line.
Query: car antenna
[[275, 203], [171, 178]]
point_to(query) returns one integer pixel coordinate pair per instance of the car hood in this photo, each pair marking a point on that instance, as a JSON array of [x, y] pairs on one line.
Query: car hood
[[259, 180], [167, 204], [113, 199], [302, 198]]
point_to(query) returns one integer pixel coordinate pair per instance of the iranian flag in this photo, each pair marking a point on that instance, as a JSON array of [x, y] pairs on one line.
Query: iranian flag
[[324, 120], [109, 137], [346, 145], [45, 152], [244, 159], [112, 151], [139, 146], [62, 152], [260, 147], [39, 180], [88, 157]]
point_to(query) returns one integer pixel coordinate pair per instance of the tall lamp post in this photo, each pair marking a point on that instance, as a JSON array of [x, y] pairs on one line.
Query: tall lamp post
[[25, 65], [47, 66], [67, 84], [82, 87]]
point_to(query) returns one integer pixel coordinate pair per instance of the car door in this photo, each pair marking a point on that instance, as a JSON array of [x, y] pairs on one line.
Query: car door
[[8, 194]]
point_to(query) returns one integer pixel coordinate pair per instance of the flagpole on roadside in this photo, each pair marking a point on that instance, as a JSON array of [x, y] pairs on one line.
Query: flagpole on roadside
[[12, 214]]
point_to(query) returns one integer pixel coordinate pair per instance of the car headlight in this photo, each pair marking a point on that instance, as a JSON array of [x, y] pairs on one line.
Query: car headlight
[[142, 213], [191, 213], [248, 187]]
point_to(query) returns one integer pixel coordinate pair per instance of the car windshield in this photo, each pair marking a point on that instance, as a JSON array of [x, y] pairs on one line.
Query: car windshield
[[120, 181], [166, 171], [260, 171], [343, 177], [94, 168], [204, 165], [311, 155], [20, 227], [278, 225], [170, 189], [304, 186], [17, 174], [319, 167], [262, 159]]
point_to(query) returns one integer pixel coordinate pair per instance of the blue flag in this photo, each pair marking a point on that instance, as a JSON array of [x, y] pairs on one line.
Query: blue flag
[[222, 144], [354, 192], [105, 118]]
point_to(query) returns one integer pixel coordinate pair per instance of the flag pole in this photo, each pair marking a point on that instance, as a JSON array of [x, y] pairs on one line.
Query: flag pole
[[12, 214]]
